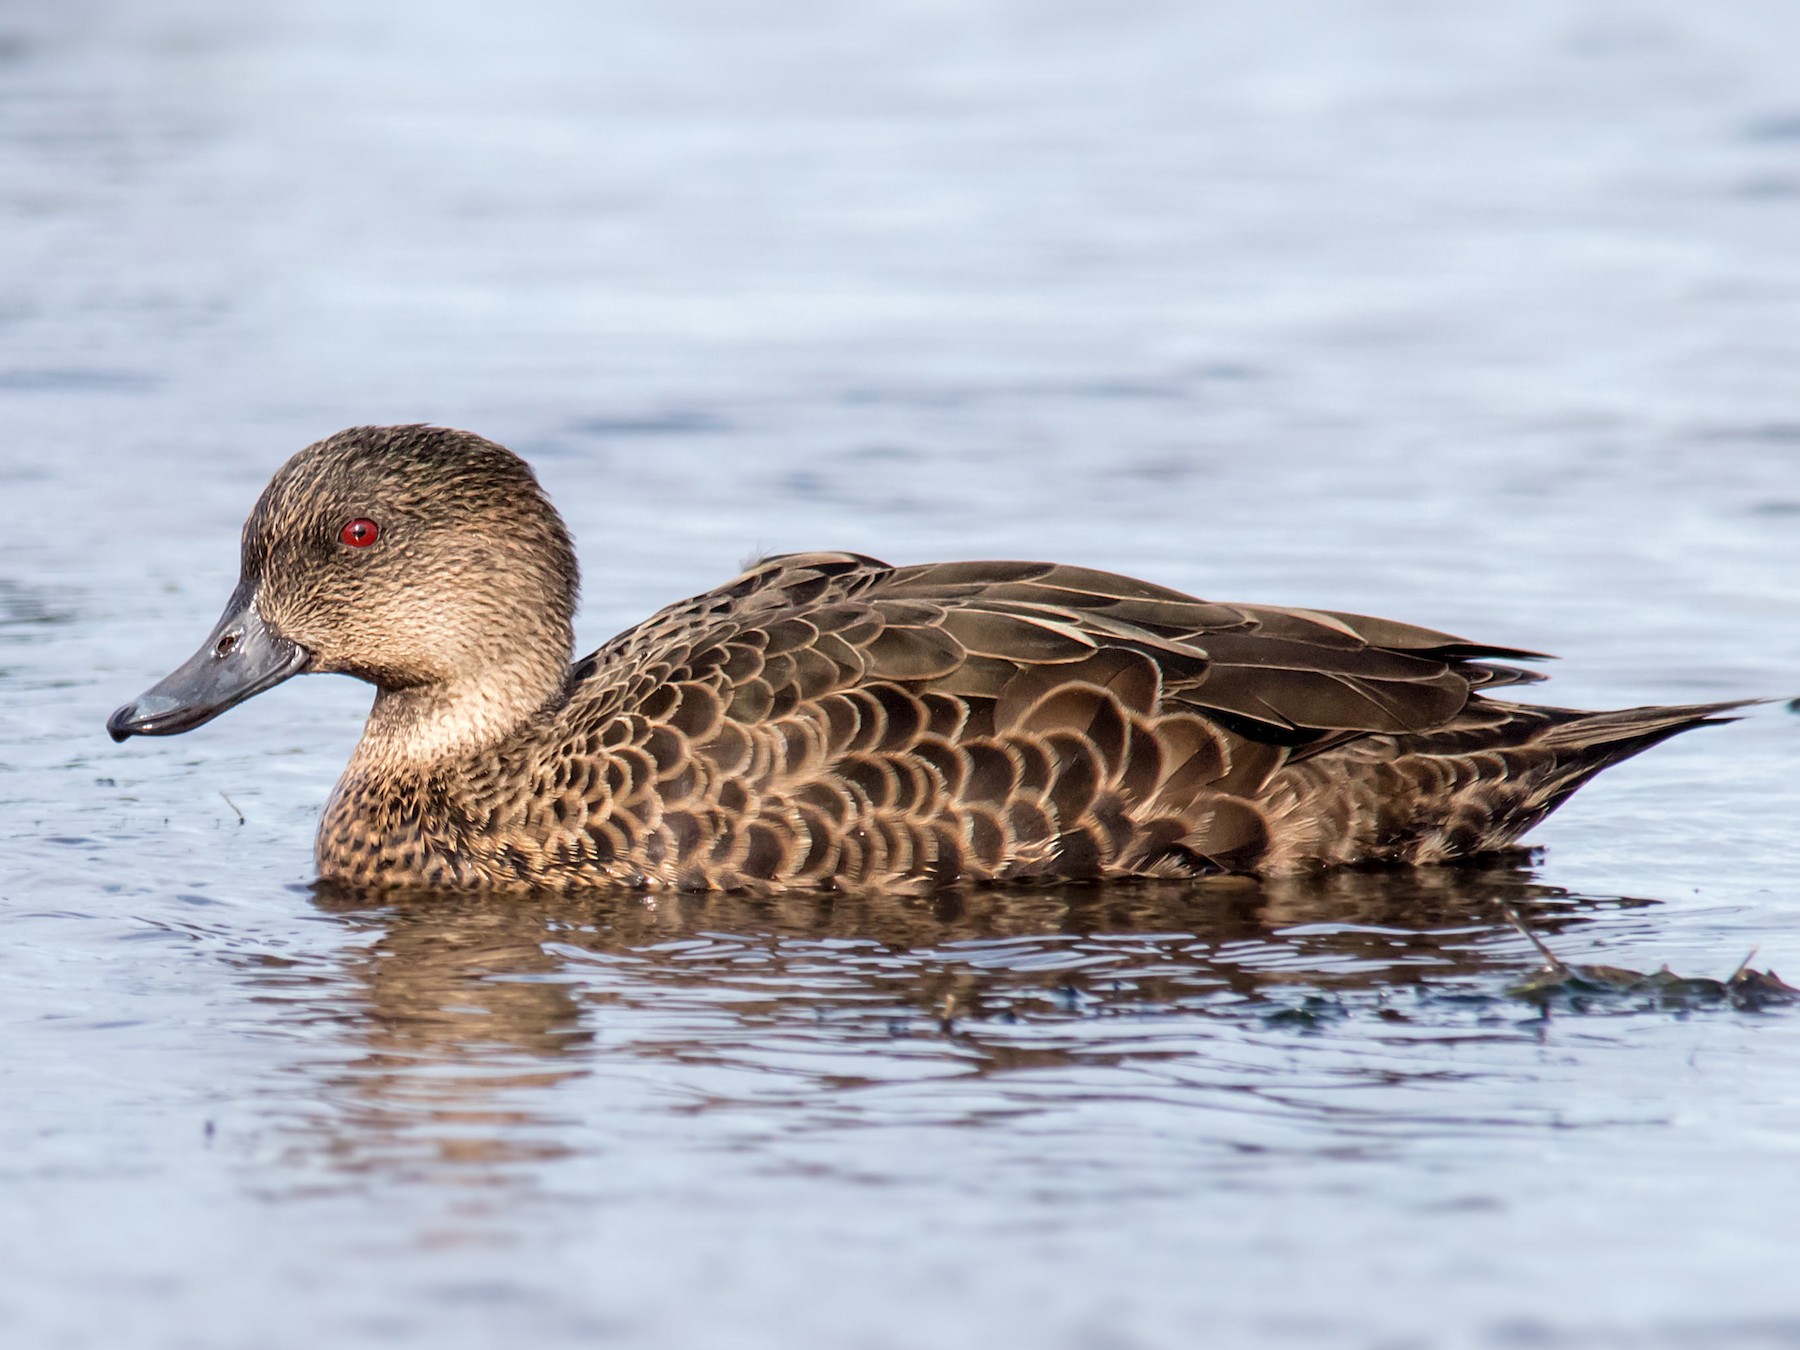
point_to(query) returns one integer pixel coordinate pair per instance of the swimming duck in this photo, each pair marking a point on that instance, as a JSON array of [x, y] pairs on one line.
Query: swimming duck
[[826, 720]]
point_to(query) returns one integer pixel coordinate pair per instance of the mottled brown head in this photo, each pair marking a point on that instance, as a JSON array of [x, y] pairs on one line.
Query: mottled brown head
[[423, 560], [411, 556]]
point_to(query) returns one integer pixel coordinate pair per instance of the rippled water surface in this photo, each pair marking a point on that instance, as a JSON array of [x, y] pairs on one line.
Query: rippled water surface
[[1482, 317]]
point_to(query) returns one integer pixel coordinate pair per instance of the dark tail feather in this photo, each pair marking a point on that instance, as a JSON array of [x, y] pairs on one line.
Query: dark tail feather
[[1622, 732], [1474, 785], [1584, 743]]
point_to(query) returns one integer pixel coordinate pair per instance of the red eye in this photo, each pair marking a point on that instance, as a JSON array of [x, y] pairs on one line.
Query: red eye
[[360, 533]]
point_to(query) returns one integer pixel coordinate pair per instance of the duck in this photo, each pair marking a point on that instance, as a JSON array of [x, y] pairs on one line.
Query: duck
[[828, 721]]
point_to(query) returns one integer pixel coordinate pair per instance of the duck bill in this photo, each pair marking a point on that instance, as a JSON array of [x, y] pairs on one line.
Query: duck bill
[[240, 658]]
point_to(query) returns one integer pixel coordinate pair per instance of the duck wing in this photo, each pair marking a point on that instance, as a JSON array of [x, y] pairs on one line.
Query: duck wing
[[971, 630], [1019, 718]]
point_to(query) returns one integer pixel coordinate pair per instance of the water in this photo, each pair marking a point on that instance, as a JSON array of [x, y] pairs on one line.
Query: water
[[1481, 319]]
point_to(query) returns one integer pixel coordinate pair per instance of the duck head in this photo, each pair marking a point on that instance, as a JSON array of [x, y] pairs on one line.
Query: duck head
[[423, 560]]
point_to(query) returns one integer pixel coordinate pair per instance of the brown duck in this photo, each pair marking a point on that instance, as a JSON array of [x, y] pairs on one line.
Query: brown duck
[[828, 721]]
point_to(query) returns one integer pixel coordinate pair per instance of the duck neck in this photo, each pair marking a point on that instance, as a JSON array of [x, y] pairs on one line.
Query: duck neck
[[423, 727]]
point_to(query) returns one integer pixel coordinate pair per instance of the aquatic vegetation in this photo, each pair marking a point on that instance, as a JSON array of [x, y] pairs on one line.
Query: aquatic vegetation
[[1581, 987]]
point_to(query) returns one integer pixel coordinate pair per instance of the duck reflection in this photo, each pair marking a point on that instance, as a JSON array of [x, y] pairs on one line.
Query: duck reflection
[[463, 978], [466, 1012], [457, 1023]]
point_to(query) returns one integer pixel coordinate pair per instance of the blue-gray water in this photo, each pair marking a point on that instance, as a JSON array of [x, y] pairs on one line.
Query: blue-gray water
[[1486, 317]]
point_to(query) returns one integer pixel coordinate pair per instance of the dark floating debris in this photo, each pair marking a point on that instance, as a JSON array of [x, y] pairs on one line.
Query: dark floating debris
[[1747, 990], [1312, 1013], [1793, 705]]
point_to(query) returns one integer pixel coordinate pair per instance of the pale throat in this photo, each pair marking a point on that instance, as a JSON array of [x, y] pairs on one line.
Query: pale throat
[[430, 724]]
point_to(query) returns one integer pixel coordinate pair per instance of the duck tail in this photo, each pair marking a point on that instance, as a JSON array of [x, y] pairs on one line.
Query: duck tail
[[1567, 747], [1467, 788], [1620, 733]]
